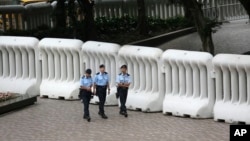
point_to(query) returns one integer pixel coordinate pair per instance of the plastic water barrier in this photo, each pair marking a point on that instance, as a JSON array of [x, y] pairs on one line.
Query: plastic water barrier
[[97, 53], [232, 88], [20, 70], [61, 68], [189, 86], [146, 81]]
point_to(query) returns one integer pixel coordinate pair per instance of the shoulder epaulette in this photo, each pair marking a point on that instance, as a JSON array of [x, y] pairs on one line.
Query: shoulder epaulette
[[120, 73], [98, 73], [105, 73], [128, 74], [83, 76]]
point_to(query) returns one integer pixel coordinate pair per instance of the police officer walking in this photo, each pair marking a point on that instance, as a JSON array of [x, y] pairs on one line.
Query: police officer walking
[[101, 85], [123, 82], [85, 93]]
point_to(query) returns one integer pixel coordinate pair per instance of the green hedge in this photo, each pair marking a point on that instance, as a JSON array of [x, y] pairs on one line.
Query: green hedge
[[119, 30]]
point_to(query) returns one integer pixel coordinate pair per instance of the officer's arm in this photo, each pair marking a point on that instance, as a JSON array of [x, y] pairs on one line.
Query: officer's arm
[[118, 81], [128, 83], [94, 84], [108, 86], [81, 85], [84, 88], [108, 83]]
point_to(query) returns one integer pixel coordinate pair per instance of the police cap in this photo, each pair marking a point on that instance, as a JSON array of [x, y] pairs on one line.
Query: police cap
[[101, 66], [124, 66], [88, 71]]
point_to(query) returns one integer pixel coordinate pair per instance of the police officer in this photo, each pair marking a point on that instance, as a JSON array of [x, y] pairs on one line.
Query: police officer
[[86, 91], [123, 82], [101, 86]]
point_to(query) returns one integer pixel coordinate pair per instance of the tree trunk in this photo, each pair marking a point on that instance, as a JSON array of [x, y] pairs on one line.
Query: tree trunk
[[60, 14], [72, 15], [203, 28], [87, 7], [246, 5], [142, 25]]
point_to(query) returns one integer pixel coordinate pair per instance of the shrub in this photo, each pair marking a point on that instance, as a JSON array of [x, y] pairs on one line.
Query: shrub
[[120, 30]]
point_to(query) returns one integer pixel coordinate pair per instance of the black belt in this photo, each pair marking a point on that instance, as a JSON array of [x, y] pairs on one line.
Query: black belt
[[98, 86], [124, 88]]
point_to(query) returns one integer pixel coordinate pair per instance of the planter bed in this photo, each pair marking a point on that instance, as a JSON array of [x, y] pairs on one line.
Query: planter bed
[[10, 102]]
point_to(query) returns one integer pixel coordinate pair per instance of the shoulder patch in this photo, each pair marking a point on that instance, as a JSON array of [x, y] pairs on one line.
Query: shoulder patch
[[98, 73]]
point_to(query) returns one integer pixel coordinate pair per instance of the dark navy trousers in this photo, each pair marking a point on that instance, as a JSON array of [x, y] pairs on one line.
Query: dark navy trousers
[[123, 93], [101, 92], [86, 96]]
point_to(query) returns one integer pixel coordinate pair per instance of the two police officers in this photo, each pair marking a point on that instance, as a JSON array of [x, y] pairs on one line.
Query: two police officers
[[86, 92], [123, 81], [101, 86]]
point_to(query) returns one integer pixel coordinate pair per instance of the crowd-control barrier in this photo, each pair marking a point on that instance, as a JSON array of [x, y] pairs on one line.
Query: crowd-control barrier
[[194, 83], [97, 53], [61, 68], [189, 84], [146, 81], [20, 70], [232, 74]]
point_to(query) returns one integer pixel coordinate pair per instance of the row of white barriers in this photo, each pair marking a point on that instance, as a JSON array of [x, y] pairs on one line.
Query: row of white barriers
[[20, 71], [180, 83]]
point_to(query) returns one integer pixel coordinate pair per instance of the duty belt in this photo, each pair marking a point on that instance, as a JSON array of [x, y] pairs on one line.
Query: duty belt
[[98, 86]]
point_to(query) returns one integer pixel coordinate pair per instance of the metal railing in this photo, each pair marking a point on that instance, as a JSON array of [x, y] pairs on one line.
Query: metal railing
[[9, 2], [33, 15], [26, 17]]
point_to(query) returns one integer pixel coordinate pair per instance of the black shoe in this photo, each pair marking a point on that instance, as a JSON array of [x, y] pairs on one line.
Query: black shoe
[[121, 113], [104, 116], [88, 119], [125, 114]]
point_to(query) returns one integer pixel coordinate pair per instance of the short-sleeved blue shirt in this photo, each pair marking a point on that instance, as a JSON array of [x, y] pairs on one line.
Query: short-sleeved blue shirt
[[86, 81], [101, 79], [123, 78]]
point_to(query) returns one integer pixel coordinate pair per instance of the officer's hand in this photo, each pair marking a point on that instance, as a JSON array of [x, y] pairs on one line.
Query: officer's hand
[[89, 89], [108, 91]]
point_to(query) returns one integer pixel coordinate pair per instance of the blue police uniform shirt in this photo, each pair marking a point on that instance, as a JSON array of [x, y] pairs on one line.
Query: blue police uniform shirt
[[123, 78], [101, 79], [86, 81]]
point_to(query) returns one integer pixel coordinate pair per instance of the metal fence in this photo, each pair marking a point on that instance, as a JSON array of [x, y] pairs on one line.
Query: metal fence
[[34, 15], [8, 2], [214, 9], [154, 8], [25, 17]]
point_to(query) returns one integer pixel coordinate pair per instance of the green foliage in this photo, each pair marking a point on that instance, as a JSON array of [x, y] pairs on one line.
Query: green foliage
[[128, 24], [116, 25], [119, 30], [171, 24]]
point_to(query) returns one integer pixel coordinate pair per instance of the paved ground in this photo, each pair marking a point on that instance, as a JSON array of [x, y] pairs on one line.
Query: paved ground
[[231, 37], [58, 120]]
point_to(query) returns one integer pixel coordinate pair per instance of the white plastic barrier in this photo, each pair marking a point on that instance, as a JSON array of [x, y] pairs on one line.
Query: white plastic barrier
[[97, 53], [61, 67], [145, 92], [232, 88], [20, 70], [189, 86]]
